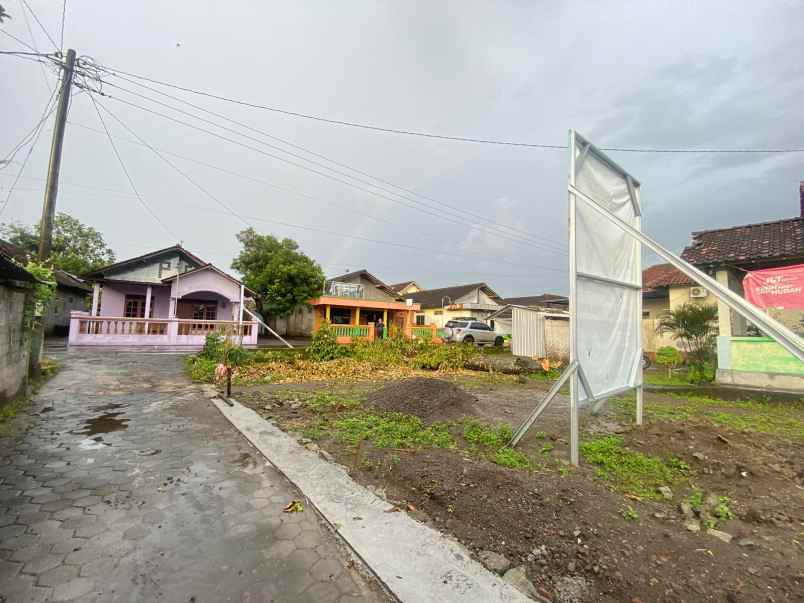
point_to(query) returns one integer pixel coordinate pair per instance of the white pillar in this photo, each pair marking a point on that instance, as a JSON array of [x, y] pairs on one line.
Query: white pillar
[[148, 302], [96, 290], [723, 311], [242, 299]]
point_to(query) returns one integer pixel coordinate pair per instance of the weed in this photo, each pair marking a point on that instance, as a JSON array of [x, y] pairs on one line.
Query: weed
[[323, 402], [540, 435], [317, 429], [392, 430], [450, 508], [709, 524], [201, 369], [563, 471], [395, 460], [547, 448], [486, 436], [511, 458], [629, 470], [722, 510], [629, 513], [695, 499]]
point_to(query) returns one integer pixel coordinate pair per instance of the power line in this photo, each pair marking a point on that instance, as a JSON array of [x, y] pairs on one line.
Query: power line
[[39, 127], [16, 39], [33, 40], [243, 218], [33, 14], [175, 167], [460, 211], [128, 176], [302, 166], [9, 158], [431, 135]]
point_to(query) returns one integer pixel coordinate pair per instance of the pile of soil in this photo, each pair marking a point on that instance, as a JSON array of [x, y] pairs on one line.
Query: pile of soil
[[429, 399]]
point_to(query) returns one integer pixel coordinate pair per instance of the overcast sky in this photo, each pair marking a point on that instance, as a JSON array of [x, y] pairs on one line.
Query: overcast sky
[[647, 74]]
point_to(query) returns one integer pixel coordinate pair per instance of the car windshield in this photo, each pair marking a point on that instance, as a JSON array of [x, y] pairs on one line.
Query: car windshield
[[454, 323]]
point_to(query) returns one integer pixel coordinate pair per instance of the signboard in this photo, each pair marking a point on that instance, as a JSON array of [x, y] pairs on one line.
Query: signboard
[[607, 275], [776, 287]]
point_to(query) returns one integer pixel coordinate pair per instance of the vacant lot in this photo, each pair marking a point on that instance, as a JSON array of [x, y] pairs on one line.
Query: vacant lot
[[703, 503]]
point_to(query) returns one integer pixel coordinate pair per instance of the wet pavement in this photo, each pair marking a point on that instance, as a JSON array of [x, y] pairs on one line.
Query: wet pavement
[[121, 482]]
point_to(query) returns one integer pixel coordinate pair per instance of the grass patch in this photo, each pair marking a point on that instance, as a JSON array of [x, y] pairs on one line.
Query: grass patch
[[491, 442], [784, 419], [323, 402], [200, 369], [10, 409], [392, 430], [628, 470]]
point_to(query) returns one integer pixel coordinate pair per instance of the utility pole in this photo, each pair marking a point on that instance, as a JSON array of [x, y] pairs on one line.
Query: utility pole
[[52, 188]]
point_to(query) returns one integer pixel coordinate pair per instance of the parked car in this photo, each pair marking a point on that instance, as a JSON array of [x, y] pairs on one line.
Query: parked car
[[471, 331]]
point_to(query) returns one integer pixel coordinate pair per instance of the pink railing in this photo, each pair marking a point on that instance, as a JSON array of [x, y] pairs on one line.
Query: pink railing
[[114, 330]]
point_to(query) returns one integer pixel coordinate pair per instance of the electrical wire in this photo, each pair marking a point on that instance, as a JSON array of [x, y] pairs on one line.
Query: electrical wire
[[9, 157], [315, 171], [441, 204], [33, 41], [33, 14], [16, 39], [40, 126], [128, 176], [245, 219], [436, 136]]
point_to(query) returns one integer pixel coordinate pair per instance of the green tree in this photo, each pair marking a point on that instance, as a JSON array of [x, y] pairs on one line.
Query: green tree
[[281, 275], [77, 248], [695, 325], [3, 14]]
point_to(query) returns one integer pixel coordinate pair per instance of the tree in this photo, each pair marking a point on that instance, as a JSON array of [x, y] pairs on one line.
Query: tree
[[695, 325], [3, 14], [281, 275], [77, 248]]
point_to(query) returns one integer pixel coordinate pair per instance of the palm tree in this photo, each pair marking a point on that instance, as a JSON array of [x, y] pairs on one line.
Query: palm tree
[[695, 325]]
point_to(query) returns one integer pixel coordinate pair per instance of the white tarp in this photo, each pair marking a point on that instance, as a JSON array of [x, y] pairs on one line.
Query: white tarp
[[608, 276]]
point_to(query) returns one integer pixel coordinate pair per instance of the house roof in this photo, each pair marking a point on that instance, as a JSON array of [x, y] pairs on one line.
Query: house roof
[[390, 290], [431, 298], [538, 300], [750, 244], [400, 286], [64, 280], [194, 259], [663, 275], [207, 267], [11, 270]]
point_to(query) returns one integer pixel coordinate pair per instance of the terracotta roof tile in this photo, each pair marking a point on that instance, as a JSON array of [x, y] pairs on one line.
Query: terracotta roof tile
[[749, 243], [663, 275]]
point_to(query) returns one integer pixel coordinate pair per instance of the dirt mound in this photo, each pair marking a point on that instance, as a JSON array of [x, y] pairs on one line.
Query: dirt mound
[[430, 399]]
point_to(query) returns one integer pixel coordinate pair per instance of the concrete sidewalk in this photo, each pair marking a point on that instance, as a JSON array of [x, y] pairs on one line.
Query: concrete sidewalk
[[415, 562]]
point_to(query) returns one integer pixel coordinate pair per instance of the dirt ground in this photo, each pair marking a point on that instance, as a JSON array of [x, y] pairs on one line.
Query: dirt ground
[[579, 537]]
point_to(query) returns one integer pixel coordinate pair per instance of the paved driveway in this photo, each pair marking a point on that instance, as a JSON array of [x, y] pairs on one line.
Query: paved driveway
[[121, 482]]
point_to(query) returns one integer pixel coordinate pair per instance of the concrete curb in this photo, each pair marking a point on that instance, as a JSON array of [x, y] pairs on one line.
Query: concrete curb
[[414, 562]]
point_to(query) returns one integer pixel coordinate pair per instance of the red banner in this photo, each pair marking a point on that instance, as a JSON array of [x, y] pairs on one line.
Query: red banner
[[776, 287]]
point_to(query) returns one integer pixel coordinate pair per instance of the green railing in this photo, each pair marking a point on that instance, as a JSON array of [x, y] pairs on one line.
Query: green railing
[[440, 333], [423, 332], [351, 330]]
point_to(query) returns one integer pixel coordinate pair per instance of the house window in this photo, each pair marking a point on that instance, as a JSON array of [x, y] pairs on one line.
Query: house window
[[420, 320], [340, 316], [134, 306], [646, 315]]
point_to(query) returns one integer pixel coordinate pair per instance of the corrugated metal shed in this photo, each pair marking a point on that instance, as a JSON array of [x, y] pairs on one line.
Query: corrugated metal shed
[[527, 333]]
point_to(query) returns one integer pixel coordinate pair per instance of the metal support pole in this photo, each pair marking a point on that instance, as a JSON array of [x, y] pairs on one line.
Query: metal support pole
[[52, 188], [573, 311], [637, 205]]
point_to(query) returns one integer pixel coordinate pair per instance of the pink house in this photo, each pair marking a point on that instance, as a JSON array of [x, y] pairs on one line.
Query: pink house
[[166, 299]]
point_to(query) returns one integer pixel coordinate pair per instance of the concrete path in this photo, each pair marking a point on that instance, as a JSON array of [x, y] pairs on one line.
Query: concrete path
[[416, 562], [121, 482]]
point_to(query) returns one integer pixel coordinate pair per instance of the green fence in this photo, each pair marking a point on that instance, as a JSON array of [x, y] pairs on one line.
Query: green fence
[[351, 330], [757, 354]]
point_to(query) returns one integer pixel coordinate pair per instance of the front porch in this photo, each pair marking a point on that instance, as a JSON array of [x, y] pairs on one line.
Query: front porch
[[356, 319], [176, 313], [164, 333]]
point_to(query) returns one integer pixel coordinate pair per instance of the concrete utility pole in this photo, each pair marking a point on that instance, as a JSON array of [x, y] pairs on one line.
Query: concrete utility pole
[[52, 188]]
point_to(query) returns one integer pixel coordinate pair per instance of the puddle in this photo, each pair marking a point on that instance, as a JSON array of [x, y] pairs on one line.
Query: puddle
[[105, 423]]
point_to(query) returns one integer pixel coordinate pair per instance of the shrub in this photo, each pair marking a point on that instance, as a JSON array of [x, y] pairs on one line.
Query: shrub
[[437, 357], [669, 357], [213, 346], [324, 345], [201, 369]]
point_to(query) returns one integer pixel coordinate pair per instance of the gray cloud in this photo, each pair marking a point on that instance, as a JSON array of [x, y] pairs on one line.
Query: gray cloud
[[716, 74]]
